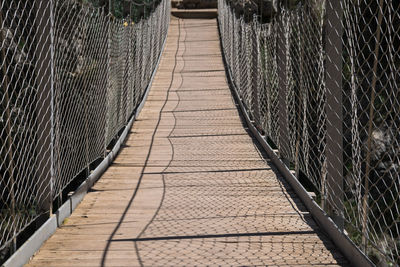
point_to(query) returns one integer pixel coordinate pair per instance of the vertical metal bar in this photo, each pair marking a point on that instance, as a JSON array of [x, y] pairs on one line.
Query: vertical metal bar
[[44, 72], [255, 74], [85, 98], [300, 117], [130, 54], [108, 85], [110, 7], [334, 133], [282, 78]]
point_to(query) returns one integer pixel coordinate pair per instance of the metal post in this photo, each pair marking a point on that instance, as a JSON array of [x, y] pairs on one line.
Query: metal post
[[301, 102], [282, 78], [44, 82], [107, 125], [334, 106], [240, 69], [110, 7], [255, 75]]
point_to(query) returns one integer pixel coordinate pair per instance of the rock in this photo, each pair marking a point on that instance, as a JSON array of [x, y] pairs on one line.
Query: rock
[[381, 143]]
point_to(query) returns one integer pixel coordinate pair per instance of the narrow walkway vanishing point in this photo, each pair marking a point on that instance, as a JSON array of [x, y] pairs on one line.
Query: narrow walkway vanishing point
[[190, 186]]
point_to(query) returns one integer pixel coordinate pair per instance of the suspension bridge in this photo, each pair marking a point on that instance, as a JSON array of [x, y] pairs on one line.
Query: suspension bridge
[[179, 141], [190, 186]]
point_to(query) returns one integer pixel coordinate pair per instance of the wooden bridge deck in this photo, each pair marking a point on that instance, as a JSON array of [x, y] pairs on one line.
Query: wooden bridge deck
[[190, 187]]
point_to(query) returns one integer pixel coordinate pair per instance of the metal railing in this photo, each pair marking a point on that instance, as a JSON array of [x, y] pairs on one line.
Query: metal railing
[[321, 82], [71, 76]]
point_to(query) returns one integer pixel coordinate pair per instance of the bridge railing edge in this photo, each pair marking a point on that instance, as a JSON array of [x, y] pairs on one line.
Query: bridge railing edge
[[34, 243], [344, 243]]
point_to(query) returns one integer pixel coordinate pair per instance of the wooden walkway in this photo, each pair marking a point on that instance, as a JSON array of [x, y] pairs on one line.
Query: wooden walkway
[[190, 187]]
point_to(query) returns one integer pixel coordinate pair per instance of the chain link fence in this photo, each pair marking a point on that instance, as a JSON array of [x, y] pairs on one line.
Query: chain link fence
[[71, 76], [321, 81]]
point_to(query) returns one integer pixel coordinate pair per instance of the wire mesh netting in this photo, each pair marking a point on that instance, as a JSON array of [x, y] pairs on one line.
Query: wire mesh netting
[[71, 75], [321, 81]]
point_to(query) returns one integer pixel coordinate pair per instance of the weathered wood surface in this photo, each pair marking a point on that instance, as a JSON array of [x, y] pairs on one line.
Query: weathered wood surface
[[190, 187]]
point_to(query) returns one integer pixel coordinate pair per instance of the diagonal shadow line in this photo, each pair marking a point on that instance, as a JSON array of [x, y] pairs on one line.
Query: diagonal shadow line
[[106, 249], [207, 135], [203, 110], [204, 71], [202, 90], [163, 238], [212, 171], [202, 41], [234, 217]]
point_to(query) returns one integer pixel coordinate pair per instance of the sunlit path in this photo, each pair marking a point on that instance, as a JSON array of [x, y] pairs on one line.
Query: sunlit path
[[190, 186]]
